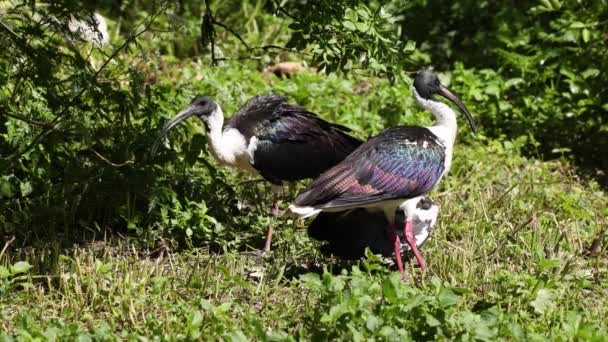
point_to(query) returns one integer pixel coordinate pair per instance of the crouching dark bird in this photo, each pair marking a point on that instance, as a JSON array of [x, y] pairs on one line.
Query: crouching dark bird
[[393, 168], [348, 233], [270, 137]]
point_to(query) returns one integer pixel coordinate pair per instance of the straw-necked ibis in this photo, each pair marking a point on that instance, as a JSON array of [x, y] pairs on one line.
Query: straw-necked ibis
[[270, 137], [400, 164], [347, 233]]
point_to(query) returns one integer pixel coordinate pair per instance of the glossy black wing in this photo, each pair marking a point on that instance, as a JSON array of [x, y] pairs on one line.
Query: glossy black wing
[[293, 143], [401, 162], [348, 233]]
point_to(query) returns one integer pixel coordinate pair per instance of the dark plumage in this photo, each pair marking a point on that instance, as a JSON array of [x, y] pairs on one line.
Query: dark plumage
[[348, 233], [401, 162], [292, 143], [267, 135], [393, 168]]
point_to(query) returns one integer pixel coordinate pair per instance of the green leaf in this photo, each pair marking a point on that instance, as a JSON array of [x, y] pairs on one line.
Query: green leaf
[[20, 267], [448, 298], [543, 301], [549, 264], [577, 24], [591, 72], [373, 323], [6, 189], [311, 280], [26, 188], [4, 272], [586, 35], [409, 46], [196, 319], [389, 288], [363, 13], [349, 25], [351, 15], [432, 321], [361, 26]]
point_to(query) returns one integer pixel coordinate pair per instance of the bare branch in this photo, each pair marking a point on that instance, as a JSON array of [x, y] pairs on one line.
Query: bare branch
[[30, 121], [109, 162], [61, 115], [220, 24]]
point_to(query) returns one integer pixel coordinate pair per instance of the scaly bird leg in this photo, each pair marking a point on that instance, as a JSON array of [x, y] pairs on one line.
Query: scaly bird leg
[[274, 211], [408, 232], [397, 246]]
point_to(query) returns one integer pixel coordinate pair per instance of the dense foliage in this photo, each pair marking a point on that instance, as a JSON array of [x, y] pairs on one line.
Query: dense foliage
[[78, 118]]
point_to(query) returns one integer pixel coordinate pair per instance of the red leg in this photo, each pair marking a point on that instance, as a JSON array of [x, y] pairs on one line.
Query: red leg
[[408, 232], [397, 246], [274, 212], [268, 240]]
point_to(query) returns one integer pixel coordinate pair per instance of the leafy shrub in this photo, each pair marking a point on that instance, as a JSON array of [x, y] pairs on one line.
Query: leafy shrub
[[531, 68], [361, 305]]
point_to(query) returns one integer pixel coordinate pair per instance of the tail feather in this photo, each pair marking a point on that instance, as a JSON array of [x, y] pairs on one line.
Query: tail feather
[[302, 212]]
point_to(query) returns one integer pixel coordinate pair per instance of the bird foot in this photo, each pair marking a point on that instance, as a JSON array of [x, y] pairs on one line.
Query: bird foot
[[275, 212]]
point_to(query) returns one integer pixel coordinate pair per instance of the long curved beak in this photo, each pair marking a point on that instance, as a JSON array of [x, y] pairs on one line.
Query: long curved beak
[[180, 117], [445, 92]]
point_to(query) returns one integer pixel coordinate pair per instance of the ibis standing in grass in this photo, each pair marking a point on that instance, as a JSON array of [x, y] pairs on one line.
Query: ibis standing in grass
[[348, 233], [393, 168], [270, 137]]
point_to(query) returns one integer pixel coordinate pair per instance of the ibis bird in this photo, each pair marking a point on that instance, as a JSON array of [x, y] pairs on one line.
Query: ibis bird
[[347, 233], [270, 137], [396, 166]]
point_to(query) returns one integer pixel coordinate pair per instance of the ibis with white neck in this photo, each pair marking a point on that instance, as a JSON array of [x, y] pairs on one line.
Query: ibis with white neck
[[346, 234], [392, 169], [270, 137]]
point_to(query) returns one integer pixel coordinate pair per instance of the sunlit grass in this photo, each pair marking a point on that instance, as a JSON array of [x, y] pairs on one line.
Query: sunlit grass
[[513, 237]]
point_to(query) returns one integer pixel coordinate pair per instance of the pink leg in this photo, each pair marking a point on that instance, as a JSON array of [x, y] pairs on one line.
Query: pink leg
[[275, 212], [397, 246], [408, 232]]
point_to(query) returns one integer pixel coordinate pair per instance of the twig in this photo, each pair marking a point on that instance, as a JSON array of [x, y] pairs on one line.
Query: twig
[[9, 29], [238, 58], [208, 19], [284, 11], [510, 236], [220, 24], [60, 116], [30, 121], [268, 47], [109, 162], [6, 245], [596, 245]]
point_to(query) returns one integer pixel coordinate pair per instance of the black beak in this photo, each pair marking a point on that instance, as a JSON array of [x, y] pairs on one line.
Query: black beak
[[181, 116], [445, 92]]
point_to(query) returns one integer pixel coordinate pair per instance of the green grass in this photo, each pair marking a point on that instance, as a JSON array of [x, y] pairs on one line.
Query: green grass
[[508, 259]]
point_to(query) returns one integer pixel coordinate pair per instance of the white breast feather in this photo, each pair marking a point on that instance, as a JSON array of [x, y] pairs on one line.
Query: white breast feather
[[233, 150]]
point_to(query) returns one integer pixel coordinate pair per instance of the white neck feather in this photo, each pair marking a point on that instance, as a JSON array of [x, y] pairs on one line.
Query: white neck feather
[[229, 147], [215, 122], [445, 118]]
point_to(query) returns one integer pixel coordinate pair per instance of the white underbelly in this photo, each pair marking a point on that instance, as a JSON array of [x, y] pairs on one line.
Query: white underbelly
[[232, 149]]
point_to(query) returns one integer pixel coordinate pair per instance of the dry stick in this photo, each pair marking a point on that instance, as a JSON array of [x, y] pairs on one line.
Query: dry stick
[[109, 162], [596, 245], [510, 236], [29, 121], [6, 245], [266, 48], [59, 117]]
